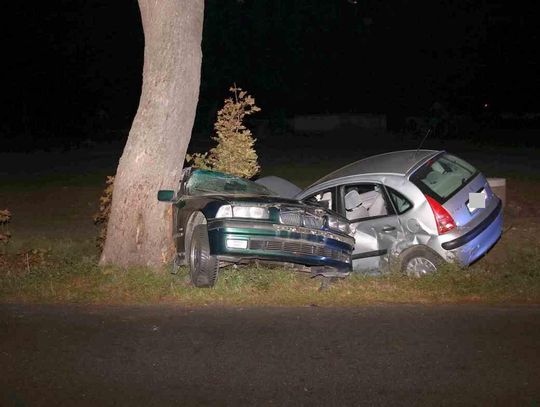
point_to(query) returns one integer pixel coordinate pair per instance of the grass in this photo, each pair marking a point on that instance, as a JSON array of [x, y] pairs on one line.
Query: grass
[[58, 270], [67, 272]]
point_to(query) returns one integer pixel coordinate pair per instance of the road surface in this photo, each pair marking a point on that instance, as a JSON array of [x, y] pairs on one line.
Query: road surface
[[166, 355]]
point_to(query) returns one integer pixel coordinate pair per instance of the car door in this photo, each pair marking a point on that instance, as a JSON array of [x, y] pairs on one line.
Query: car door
[[368, 208]]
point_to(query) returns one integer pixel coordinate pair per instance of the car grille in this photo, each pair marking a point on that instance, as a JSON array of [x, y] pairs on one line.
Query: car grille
[[300, 248], [301, 218]]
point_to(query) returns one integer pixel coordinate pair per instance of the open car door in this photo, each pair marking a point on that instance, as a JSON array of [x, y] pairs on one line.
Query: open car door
[[376, 226]]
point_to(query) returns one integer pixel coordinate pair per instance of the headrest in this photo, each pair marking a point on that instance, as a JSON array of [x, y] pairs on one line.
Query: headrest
[[352, 199]]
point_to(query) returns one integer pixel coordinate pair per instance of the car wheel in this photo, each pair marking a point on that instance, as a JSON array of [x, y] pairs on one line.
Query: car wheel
[[420, 261], [196, 218], [203, 267]]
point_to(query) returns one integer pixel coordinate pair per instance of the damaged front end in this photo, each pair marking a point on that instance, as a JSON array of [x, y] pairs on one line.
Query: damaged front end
[[300, 236], [244, 222]]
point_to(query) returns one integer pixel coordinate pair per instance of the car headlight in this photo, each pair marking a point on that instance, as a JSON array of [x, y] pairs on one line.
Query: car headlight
[[333, 222], [344, 227], [224, 212], [338, 224], [255, 212], [241, 211]]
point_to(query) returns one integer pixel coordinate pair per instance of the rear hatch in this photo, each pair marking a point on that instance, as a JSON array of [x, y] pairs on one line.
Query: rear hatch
[[449, 180]]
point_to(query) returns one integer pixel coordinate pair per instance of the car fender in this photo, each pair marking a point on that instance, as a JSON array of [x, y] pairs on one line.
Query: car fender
[[192, 212]]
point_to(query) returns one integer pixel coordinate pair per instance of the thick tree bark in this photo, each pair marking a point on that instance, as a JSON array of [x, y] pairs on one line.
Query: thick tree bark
[[139, 230]]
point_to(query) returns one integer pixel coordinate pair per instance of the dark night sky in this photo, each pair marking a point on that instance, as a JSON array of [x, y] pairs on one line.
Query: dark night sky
[[73, 67]]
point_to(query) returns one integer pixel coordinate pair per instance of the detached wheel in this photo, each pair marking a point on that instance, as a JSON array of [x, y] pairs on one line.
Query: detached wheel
[[203, 267], [420, 261]]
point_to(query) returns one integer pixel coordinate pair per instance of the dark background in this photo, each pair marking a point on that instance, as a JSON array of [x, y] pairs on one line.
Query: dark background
[[73, 68]]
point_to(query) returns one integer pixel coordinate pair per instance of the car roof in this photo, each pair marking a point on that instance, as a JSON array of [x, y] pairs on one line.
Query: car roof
[[395, 162]]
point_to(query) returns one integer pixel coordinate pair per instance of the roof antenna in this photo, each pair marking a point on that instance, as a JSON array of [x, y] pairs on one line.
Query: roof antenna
[[422, 142]]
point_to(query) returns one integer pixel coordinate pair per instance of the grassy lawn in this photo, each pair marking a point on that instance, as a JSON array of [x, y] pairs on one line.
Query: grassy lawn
[[52, 256], [68, 272]]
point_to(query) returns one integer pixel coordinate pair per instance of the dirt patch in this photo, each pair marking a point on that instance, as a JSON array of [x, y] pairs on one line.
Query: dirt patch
[[52, 211], [523, 197], [26, 259], [518, 232]]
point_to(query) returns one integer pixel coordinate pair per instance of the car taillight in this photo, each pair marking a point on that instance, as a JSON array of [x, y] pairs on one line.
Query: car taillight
[[445, 222]]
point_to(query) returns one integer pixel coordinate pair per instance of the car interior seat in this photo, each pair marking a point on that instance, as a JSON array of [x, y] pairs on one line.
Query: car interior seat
[[367, 204], [378, 207], [368, 198], [353, 205]]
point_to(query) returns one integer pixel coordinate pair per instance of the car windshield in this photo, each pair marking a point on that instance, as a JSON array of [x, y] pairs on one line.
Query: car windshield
[[444, 177], [203, 182]]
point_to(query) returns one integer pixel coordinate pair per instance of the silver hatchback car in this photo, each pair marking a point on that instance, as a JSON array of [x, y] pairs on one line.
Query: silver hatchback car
[[412, 210]]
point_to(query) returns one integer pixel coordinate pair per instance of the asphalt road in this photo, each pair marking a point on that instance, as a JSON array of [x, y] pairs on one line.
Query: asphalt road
[[377, 355]]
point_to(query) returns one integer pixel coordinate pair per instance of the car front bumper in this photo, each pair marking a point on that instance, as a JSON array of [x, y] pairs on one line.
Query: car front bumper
[[280, 243]]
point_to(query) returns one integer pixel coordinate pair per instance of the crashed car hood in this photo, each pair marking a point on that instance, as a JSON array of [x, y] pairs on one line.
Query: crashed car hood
[[256, 199], [268, 200]]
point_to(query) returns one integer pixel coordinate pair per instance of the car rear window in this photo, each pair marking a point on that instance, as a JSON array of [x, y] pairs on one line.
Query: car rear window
[[442, 177]]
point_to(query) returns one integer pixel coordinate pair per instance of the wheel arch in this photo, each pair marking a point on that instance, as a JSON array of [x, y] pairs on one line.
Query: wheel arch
[[417, 250], [195, 218]]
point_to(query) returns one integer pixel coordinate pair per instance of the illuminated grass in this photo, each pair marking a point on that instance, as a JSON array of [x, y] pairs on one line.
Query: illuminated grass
[[69, 274], [64, 270]]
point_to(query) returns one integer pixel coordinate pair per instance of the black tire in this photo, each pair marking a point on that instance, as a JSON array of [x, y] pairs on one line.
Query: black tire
[[415, 256], [203, 267]]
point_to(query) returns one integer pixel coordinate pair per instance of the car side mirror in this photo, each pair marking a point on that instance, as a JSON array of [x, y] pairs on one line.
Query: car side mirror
[[165, 195]]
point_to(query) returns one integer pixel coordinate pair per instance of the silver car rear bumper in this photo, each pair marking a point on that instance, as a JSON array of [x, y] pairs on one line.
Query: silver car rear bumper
[[470, 246], [477, 231]]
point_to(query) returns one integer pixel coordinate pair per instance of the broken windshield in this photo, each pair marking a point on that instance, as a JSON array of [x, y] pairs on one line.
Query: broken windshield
[[203, 182]]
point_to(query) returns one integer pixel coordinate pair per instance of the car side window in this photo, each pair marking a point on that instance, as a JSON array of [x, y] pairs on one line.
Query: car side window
[[401, 203], [323, 198], [365, 201]]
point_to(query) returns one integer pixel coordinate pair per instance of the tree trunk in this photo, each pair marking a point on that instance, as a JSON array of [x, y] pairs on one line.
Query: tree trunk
[[139, 229]]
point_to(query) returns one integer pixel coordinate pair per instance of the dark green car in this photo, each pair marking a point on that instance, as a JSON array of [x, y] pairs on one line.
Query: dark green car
[[220, 219]]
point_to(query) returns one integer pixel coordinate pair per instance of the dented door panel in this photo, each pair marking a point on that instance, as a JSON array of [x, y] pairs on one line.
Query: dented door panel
[[376, 239]]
